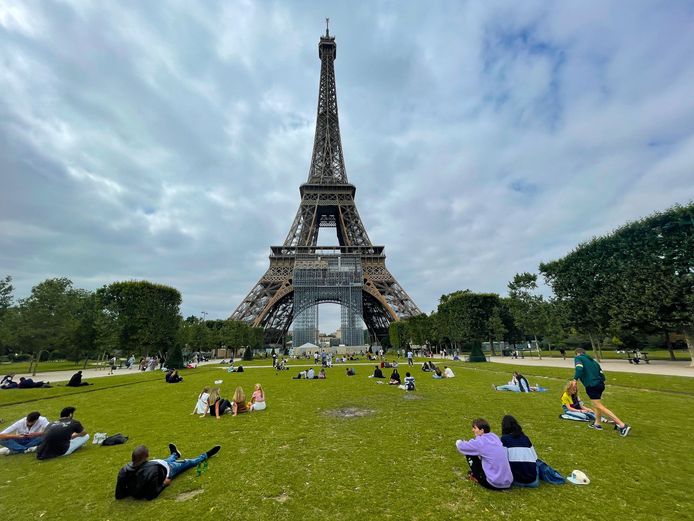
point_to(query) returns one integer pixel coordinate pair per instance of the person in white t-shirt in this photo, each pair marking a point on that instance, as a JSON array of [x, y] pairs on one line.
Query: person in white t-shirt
[[448, 372], [23, 435]]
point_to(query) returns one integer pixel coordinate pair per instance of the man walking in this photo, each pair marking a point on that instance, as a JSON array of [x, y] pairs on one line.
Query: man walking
[[145, 479], [593, 379], [23, 435]]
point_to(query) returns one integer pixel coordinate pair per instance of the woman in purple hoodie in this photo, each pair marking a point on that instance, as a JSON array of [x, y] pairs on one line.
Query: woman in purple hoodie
[[487, 457]]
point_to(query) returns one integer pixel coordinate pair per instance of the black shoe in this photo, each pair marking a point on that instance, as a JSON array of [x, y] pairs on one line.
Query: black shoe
[[214, 450], [174, 450]]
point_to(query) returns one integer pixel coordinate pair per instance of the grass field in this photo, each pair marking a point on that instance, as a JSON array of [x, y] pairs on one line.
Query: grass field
[[300, 459]]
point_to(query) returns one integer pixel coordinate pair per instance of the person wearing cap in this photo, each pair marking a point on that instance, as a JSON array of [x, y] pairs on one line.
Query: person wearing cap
[[143, 478], [23, 435], [589, 372], [62, 437], [487, 457]]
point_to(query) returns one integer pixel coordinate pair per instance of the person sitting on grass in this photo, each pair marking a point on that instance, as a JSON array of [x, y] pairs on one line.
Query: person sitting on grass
[[486, 457], [238, 403], [202, 405], [377, 373], [572, 405], [409, 383], [257, 402], [518, 384], [448, 372], [218, 405], [62, 437], [521, 453], [310, 374], [23, 435], [76, 380], [173, 377], [394, 377], [321, 374], [438, 374], [145, 479], [350, 372]]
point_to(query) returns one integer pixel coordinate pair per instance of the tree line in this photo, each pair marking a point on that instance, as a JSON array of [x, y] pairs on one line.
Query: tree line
[[141, 318], [638, 279]]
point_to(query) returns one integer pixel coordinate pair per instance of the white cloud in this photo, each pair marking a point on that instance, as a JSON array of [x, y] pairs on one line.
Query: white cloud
[[167, 141]]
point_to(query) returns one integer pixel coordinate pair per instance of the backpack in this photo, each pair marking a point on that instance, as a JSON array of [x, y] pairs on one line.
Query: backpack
[[116, 439]]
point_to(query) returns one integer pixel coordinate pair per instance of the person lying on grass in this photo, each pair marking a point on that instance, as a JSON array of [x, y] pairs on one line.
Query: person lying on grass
[[23, 435], [238, 402], [438, 374], [145, 479], [486, 457], [572, 405]]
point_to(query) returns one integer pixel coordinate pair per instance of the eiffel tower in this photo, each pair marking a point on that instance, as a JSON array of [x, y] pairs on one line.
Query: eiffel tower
[[295, 283]]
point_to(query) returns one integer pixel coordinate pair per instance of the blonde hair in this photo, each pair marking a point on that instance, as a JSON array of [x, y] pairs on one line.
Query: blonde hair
[[214, 396], [259, 387], [239, 395], [571, 388]]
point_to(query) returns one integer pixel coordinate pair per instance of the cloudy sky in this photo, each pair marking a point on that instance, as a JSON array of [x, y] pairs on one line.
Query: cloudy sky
[[167, 140]]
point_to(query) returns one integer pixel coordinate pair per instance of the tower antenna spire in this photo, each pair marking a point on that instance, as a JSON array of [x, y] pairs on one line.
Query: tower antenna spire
[[327, 27]]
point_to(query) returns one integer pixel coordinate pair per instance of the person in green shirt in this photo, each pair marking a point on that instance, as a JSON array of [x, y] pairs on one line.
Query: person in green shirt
[[589, 372]]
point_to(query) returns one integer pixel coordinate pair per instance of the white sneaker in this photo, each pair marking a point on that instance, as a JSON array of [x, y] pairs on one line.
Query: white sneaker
[[31, 449], [4, 451]]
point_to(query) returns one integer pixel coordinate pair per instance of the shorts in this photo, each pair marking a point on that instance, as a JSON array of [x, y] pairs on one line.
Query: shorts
[[595, 392]]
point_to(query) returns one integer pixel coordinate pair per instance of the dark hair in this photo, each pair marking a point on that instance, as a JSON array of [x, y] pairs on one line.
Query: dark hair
[[67, 411], [509, 425], [407, 374], [33, 416], [481, 423], [140, 454]]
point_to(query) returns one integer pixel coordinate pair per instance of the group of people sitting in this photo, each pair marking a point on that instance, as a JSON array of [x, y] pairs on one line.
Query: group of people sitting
[[310, 374], [501, 463], [429, 366], [35, 433], [211, 402], [8, 382]]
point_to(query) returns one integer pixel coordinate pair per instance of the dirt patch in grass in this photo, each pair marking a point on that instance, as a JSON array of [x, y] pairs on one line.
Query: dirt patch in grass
[[412, 397], [282, 498], [349, 412], [185, 496]]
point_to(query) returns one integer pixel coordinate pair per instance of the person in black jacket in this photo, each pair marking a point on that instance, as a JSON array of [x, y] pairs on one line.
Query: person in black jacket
[[76, 380], [145, 479]]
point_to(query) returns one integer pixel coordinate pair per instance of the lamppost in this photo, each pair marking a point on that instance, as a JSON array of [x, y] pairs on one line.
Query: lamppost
[[204, 315]]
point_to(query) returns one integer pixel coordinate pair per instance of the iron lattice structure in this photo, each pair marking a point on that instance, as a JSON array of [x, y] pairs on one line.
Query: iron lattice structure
[[327, 278], [327, 200]]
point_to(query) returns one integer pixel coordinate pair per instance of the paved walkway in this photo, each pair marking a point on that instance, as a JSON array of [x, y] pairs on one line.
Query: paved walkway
[[659, 367]]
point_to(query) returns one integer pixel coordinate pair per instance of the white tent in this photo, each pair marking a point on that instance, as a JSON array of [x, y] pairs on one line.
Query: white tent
[[308, 347]]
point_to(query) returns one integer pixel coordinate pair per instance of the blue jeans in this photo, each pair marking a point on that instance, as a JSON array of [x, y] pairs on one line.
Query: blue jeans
[[534, 484], [508, 387], [21, 444], [585, 416], [177, 466]]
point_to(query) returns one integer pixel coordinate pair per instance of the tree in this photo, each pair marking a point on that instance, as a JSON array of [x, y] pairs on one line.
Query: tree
[[145, 315], [174, 360], [496, 327], [6, 290], [526, 307], [47, 318]]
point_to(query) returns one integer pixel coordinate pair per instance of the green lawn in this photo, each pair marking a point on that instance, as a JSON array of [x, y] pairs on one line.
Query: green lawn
[[297, 460]]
